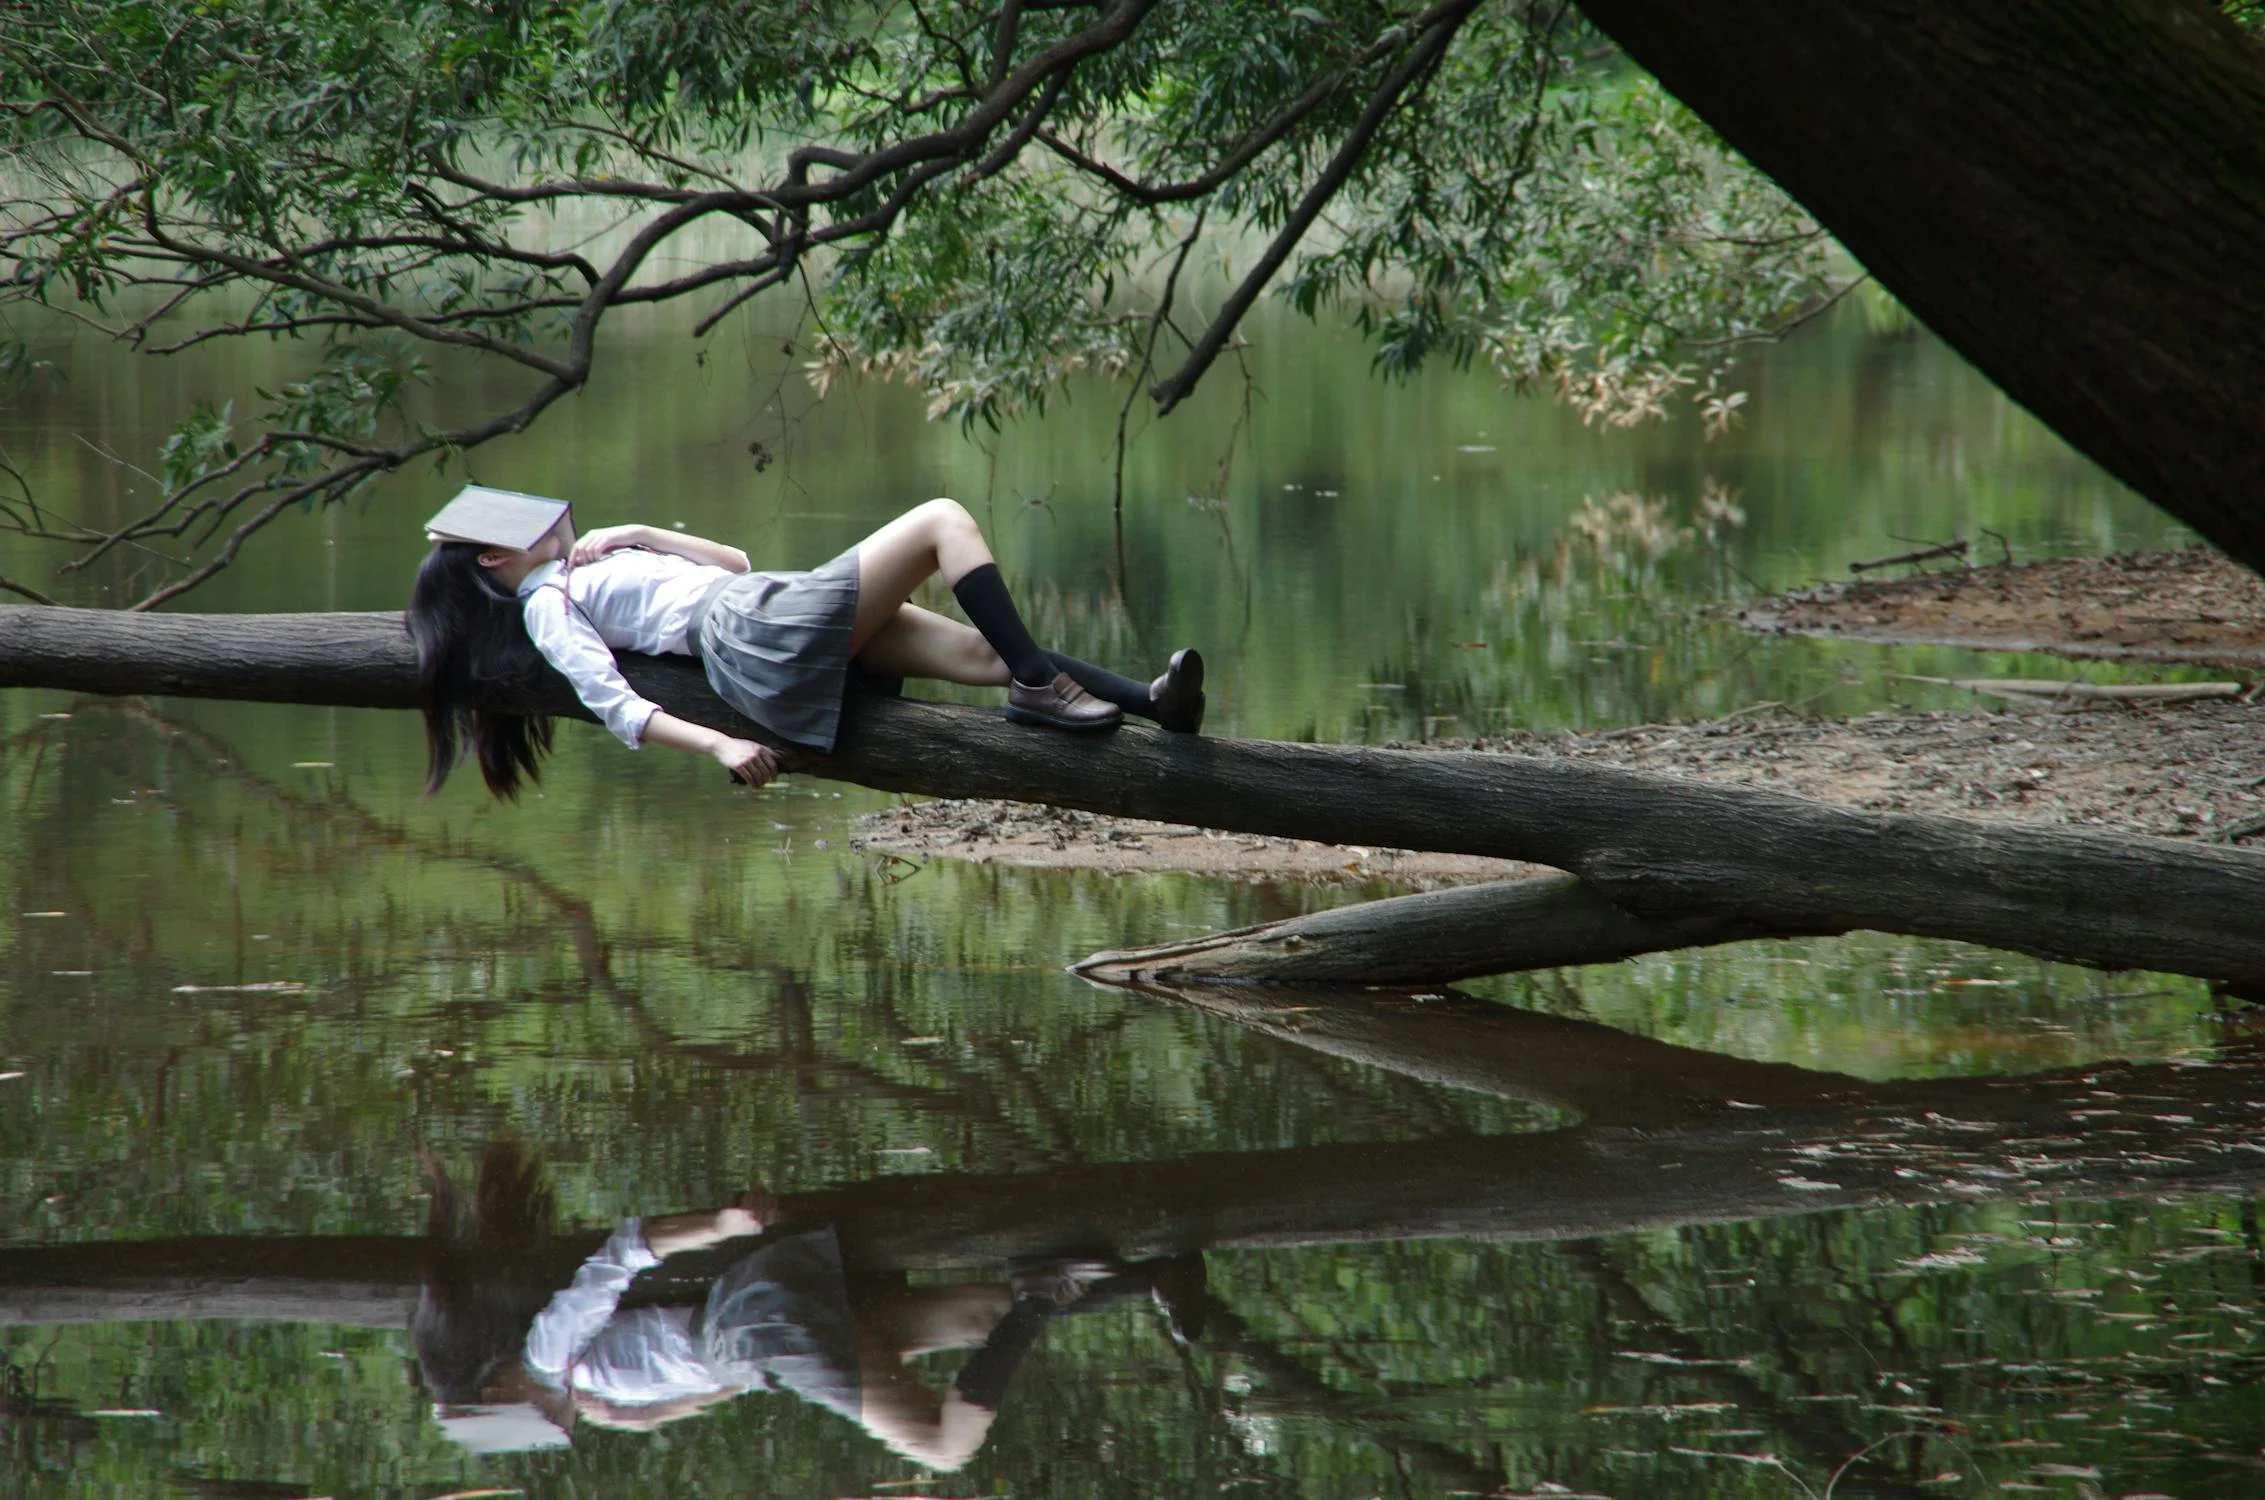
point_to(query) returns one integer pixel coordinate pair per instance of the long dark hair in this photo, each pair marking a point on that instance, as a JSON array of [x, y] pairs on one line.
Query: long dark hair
[[486, 1276], [472, 645]]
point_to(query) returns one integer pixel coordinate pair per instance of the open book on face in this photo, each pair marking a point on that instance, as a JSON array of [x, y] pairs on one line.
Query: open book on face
[[496, 518]]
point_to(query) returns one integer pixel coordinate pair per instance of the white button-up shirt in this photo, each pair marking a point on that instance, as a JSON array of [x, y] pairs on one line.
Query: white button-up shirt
[[584, 1341], [630, 600]]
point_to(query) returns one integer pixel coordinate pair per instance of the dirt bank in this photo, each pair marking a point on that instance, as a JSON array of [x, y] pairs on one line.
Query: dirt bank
[[2190, 606], [1022, 833]]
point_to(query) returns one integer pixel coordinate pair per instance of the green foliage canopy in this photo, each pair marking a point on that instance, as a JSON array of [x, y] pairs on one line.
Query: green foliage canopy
[[985, 197]]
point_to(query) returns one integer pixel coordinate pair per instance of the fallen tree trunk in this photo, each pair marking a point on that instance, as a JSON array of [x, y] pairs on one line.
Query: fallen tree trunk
[[1658, 847], [1435, 937]]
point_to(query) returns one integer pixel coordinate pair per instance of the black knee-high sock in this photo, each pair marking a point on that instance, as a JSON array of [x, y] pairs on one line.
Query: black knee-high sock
[[990, 609], [1133, 697], [984, 1379]]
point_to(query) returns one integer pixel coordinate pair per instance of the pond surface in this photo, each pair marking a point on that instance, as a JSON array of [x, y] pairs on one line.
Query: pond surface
[[1709, 1224]]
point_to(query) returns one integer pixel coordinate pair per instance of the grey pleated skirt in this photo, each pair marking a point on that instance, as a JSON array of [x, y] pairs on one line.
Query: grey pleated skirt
[[775, 646], [780, 1318]]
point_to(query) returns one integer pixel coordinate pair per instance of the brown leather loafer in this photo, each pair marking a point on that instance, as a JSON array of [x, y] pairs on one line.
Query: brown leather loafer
[[1061, 704], [1178, 694]]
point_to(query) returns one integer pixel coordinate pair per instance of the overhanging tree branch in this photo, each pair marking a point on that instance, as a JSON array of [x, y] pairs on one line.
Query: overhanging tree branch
[[374, 205], [1429, 48]]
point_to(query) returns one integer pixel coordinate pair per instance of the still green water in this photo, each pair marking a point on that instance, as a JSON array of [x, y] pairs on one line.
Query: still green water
[[249, 982]]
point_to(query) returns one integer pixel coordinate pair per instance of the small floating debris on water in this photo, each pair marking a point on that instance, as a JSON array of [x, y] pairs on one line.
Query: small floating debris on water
[[1942, 1259], [922, 1041], [311, 765], [43, 914], [1669, 1410], [1474, 448], [72, 973], [1808, 1185], [18, 1073], [1765, 1459], [258, 987], [906, 1151], [55, 716], [126, 1411]]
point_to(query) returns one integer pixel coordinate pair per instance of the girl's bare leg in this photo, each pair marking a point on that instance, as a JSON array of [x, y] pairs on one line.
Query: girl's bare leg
[[889, 636], [939, 537], [923, 1319], [895, 1404], [919, 642]]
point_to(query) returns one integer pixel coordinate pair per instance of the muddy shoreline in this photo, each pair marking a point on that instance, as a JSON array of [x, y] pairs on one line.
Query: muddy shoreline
[[2188, 607]]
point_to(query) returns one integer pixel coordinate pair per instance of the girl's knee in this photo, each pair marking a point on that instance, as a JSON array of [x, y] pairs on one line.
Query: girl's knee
[[947, 512]]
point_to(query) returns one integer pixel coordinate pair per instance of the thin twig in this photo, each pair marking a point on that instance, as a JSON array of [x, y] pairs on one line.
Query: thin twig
[[13, 587], [1124, 412], [1788, 328]]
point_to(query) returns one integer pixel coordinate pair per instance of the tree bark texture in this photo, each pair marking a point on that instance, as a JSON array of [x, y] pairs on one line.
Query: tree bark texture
[[1670, 1137], [2070, 192], [1436, 937], [1662, 848]]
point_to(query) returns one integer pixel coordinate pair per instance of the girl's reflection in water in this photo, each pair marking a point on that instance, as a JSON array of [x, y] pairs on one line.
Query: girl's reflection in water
[[513, 1362]]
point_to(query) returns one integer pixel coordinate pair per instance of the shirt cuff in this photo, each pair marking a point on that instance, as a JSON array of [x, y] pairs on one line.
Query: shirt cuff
[[634, 719], [628, 1249]]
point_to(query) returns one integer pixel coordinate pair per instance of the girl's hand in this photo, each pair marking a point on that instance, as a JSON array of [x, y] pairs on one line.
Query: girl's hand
[[592, 545], [749, 762], [752, 1214]]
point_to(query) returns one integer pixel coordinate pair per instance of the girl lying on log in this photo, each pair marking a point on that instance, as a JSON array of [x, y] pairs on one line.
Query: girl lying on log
[[508, 586]]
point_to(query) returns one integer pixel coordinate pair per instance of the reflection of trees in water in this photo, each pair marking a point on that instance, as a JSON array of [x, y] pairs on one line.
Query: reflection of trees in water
[[1801, 1328], [422, 944]]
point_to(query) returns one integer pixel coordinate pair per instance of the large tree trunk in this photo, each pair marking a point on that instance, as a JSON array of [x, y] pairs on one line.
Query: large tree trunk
[[1669, 1137], [1662, 848], [2070, 192]]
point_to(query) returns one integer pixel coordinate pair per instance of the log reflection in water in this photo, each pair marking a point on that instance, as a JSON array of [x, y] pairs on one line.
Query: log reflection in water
[[1671, 1137]]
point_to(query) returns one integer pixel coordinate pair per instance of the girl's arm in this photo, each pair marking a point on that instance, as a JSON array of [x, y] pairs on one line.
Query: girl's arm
[[752, 763], [573, 645], [676, 1233], [592, 545]]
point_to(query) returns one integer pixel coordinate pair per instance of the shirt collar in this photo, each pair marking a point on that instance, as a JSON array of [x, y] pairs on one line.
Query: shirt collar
[[542, 574]]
